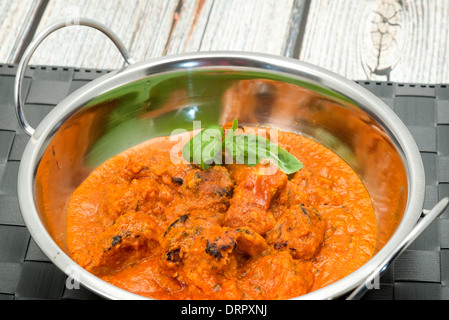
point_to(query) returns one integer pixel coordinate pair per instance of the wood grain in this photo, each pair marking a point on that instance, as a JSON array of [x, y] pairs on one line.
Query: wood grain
[[143, 26], [15, 21], [155, 28], [394, 40], [251, 25]]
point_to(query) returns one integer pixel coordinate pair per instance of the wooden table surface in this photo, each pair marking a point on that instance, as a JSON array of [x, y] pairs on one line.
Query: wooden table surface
[[375, 40]]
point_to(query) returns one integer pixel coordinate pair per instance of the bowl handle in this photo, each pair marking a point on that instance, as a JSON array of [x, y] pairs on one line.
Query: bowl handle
[[427, 218], [37, 41]]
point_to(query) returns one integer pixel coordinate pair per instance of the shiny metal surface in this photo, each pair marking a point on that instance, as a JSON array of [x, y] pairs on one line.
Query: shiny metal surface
[[21, 68], [153, 98]]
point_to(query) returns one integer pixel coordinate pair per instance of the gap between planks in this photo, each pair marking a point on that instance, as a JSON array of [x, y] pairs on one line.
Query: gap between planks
[[17, 22]]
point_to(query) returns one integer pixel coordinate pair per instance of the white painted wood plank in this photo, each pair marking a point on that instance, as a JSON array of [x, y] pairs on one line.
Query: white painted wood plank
[[190, 27], [251, 25], [396, 40], [154, 28], [426, 51], [143, 26], [15, 19], [152, 32]]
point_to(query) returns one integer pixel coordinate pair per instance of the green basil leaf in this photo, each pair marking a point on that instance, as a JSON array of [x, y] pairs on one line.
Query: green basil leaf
[[250, 149], [287, 162], [205, 148]]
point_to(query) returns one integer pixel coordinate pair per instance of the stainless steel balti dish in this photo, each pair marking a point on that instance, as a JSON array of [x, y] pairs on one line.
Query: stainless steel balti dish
[[155, 97]]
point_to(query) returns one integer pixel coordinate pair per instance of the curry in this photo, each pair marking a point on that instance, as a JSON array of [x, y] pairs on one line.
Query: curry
[[168, 230]]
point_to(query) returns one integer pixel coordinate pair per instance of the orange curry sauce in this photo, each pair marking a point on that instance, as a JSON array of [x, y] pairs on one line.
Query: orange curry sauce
[[175, 231]]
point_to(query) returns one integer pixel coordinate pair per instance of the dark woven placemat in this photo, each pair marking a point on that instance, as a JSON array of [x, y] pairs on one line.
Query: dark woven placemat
[[422, 272]]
